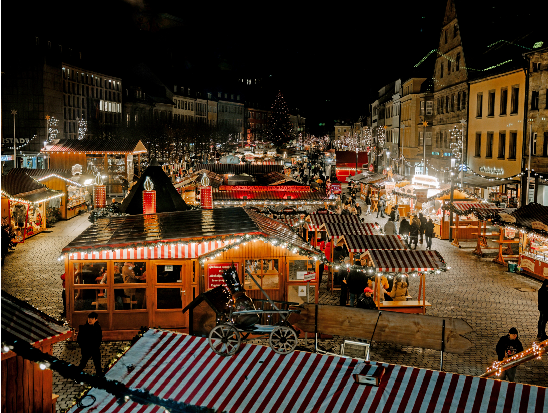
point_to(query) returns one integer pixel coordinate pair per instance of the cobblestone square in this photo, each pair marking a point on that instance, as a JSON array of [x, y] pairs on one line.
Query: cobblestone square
[[475, 289]]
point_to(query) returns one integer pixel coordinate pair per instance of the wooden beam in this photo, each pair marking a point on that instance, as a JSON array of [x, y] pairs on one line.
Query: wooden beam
[[399, 328]]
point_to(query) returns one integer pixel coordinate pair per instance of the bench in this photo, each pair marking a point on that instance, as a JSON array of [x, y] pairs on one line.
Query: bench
[[412, 306]]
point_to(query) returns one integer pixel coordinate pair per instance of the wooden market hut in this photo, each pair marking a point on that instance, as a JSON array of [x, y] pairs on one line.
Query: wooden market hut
[[359, 244], [347, 162], [168, 259], [118, 159], [257, 379], [73, 186], [530, 224], [394, 262], [24, 203], [25, 386], [167, 197]]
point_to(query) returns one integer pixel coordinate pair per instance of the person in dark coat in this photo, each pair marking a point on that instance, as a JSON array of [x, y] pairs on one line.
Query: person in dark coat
[[543, 309], [404, 227], [356, 283], [368, 203], [508, 346], [343, 279], [365, 300], [422, 220], [414, 230], [429, 233], [90, 337]]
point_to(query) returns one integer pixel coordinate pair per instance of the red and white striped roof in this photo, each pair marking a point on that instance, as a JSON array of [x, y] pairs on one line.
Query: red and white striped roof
[[175, 251], [184, 369], [362, 243], [465, 206], [405, 260], [316, 220], [337, 230]]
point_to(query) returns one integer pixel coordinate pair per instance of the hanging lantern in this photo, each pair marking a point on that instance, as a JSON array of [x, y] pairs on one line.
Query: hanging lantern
[[149, 197]]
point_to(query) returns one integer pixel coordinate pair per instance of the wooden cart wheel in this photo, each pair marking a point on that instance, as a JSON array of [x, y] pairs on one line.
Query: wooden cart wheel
[[283, 340], [224, 340]]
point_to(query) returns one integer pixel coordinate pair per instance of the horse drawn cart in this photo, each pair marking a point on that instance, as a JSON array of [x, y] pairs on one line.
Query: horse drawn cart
[[241, 319]]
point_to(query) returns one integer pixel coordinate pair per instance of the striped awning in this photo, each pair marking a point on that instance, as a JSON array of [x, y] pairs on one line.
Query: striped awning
[[399, 261], [465, 207], [21, 322], [317, 220], [337, 230], [362, 243], [184, 369]]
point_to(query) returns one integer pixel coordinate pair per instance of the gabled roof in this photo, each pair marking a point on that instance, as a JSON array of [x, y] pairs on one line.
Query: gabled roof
[[21, 321], [167, 197], [18, 185], [99, 146]]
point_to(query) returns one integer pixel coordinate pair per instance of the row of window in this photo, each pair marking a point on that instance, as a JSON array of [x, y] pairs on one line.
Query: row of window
[[453, 103], [453, 65], [86, 78], [503, 104], [501, 147], [535, 100], [95, 92]]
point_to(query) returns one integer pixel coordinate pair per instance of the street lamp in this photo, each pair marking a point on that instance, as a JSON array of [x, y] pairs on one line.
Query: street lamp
[[14, 112]]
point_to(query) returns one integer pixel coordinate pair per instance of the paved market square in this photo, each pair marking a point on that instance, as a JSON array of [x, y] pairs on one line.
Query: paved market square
[[484, 294]]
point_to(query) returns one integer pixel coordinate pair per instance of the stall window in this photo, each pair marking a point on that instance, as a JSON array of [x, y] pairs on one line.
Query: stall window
[[298, 269], [168, 273], [265, 271], [90, 299], [129, 272], [90, 272], [168, 298]]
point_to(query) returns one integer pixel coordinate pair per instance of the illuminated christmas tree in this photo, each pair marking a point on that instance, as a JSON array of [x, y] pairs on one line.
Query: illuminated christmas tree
[[279, 125]]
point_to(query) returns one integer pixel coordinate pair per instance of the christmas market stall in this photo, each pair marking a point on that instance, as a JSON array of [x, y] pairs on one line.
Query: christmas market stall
[[76, 187], [182, 373], [403, 264], [467, 225], [118, 160], [142, 270], [530, 224], [24, 203], [28, 386], [349, 163], [315, 225]]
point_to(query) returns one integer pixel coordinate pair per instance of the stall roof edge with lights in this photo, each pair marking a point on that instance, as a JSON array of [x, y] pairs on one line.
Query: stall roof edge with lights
[[179, 256]]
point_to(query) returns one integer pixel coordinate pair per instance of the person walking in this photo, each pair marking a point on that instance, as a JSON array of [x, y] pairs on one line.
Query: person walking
[[356, 283], [368, 204], [508, 346], [358, 209], [90, 337], [429, 233], [543, 309], [343, 279], [422, 223], [414, 232], [381, 207], [404, 227]]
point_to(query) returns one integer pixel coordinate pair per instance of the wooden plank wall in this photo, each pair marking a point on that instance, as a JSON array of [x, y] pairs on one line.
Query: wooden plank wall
[[65, 160], [25, 387]]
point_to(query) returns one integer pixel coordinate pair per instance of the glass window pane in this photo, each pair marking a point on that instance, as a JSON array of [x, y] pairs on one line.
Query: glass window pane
[[88, 300], [298, 269], [90, 273], [130, 272], [130, 299], [301, 294], [168, 273], [254, 267], [167, 298], [270, 275]]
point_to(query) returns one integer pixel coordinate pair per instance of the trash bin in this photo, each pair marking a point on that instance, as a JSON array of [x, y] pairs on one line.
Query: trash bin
[[512, 265]]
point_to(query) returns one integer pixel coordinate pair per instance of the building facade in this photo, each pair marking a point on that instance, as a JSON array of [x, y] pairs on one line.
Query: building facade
[[450, 91], [495, 124], [417, 107]]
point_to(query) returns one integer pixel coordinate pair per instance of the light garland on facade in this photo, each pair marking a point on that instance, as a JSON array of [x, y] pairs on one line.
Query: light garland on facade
[[23, 144], [82, 129], [52, 128], [43, 178], [25, 201]]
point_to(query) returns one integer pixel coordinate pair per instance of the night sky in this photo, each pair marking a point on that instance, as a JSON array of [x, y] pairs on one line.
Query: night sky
[[329, 61]]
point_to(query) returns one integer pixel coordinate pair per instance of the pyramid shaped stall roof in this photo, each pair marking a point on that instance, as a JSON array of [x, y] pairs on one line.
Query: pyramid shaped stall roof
[[167, 197]]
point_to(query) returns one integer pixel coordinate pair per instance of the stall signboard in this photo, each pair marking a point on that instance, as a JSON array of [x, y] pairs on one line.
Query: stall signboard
[[282, 188], [336, 188], [389, 187], [510, 232], [539, 225], [215, 273], [422, 195]]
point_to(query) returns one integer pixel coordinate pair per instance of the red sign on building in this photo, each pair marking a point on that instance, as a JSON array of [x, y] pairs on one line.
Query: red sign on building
[[149, 202], [99, 196], [215, 273]]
